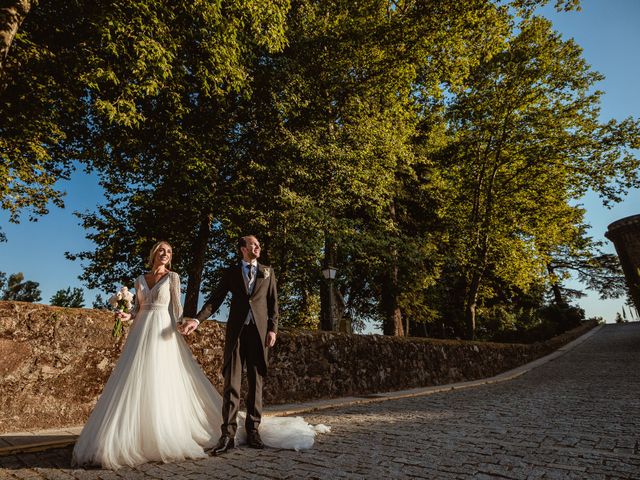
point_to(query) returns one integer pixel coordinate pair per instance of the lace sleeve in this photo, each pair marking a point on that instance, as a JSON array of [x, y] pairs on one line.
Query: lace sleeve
[[136, 302], [175, 306]]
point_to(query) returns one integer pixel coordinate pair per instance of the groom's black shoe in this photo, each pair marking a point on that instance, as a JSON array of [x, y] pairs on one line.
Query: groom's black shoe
[[254, 440], [225, 443]]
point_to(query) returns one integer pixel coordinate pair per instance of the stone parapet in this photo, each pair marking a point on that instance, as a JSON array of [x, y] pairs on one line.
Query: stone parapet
[[55, 361]]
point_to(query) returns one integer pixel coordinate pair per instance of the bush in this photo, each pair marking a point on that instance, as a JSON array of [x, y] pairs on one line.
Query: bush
[[552, 320], [565, 317]]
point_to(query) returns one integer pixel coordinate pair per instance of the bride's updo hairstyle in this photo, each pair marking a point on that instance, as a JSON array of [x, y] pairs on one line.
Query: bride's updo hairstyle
[[154, 250]]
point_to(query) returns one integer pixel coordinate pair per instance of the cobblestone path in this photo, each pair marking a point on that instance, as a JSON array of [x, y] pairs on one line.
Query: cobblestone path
[[576, 417]]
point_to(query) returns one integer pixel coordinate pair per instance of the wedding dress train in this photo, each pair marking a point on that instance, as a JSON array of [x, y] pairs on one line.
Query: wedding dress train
[[158, 405]]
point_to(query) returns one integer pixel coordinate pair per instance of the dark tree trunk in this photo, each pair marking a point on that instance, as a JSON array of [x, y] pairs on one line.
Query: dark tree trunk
[[197, 266], [392, 324], [555, 287], [471, 303], [471, 298], [482, 213], [12, 14]]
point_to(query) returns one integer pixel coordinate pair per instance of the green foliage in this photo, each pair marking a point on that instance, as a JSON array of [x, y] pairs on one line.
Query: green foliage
[[583, 258], [99, 303], [334, 119], [20, 290], [40, 109], [517, 157], [434, 149], [526, 8], [546, 322], [68, 298], [160, 84]]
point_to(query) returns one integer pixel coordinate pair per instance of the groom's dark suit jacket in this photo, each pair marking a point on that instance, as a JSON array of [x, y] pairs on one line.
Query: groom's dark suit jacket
[[263, 303]]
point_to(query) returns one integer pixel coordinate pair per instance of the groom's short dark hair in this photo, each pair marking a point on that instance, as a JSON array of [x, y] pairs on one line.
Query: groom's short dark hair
[[242, 241]]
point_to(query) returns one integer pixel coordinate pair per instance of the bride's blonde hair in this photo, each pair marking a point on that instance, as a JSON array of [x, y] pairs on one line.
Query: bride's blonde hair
[[154, 250]]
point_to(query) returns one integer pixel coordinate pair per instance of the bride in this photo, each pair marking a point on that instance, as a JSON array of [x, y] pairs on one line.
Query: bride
[[158, 405]]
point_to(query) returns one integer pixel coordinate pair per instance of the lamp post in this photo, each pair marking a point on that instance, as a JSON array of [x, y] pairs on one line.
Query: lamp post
[[328, 320]]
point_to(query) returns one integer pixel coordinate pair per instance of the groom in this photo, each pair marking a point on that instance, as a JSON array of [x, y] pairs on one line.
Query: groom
[[251, 329]]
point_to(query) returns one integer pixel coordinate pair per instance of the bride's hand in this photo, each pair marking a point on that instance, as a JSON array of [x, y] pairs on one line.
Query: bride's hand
[[123, 316]]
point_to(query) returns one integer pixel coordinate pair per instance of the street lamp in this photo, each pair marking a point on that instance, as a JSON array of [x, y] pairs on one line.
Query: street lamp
[[329, 273], [328, 317]]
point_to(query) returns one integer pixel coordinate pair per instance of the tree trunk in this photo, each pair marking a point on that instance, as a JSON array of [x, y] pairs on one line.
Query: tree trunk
[[471, 299], [197, 266], [12, 14], [392, 314], [555, 287], [471, 304], [392, 324], [325, 306]]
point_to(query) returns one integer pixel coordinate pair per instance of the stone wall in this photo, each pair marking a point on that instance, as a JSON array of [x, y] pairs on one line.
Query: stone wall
[[54, 362]]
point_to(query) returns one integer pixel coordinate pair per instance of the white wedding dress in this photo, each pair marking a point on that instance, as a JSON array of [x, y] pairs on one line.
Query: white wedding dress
[[158, 405]]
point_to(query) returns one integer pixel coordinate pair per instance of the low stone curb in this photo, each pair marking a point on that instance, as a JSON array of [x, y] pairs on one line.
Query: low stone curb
[[19, 443], [23, 442]]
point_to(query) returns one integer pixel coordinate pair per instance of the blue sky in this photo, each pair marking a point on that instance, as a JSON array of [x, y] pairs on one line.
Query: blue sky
[[606, 29], [608, 32]]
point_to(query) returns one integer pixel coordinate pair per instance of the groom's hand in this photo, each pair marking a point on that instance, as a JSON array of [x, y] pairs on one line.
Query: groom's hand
[[270, 341], [188, 326]]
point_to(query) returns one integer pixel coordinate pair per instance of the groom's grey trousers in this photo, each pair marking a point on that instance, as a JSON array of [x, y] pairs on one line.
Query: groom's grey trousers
[[247, 352]]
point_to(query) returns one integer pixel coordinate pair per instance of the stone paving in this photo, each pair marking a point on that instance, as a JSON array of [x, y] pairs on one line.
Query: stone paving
[[576, 417]]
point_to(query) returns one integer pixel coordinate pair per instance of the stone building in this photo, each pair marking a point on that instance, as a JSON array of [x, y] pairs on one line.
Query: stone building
[[625, 235]]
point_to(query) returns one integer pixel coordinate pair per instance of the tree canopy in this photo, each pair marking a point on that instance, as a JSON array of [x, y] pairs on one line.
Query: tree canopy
[[20, 290], [434, 152], [71, 298]]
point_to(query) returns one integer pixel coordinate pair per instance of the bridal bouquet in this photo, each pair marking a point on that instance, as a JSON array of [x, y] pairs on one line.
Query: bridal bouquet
[[121, 301]]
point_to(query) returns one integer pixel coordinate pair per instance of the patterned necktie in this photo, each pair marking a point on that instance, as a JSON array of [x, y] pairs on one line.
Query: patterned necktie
[[249, 276]]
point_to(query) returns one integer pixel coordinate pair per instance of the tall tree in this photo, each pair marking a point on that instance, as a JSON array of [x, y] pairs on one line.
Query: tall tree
[[99, 303], [20, 290], [330, 136], [162, 102], [526, 140], [71, 298], [139, 90]]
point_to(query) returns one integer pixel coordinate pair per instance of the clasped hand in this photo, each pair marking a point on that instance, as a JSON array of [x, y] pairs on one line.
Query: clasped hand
[[187, 326]]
